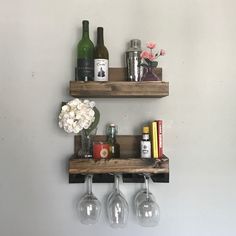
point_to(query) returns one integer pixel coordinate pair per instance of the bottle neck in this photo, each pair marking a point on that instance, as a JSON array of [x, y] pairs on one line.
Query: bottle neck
[[112, 138], [145, 136], [85, 29], [100, 40], [111, 135]]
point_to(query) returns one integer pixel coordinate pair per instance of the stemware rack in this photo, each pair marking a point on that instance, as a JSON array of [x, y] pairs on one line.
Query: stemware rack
[[130, 165]]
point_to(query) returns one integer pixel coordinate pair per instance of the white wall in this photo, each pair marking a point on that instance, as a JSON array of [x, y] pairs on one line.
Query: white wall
[[37, 58]]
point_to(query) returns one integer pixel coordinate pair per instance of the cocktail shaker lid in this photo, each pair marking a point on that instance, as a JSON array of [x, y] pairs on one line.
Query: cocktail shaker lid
[[135, 45]]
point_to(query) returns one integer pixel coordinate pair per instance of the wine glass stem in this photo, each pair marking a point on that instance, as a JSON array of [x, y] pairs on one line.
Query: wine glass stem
[[117, 182], [89, 183], [146, 177]]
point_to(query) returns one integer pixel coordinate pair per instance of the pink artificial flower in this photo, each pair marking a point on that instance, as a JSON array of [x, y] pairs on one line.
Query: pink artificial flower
[[151, 57], [145, 54], [162, 52], [151, 45]]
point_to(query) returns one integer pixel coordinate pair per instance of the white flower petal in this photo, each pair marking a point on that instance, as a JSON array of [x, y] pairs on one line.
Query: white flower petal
[[70, 121], [71, 114], [92, 104], [65, 108], [86, 101]]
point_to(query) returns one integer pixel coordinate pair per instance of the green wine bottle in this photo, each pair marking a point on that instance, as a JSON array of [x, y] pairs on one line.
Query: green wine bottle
[[111, 139], [101, 57], [85, 56]]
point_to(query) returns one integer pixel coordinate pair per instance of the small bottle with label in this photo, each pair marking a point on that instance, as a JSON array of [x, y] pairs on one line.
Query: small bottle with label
[[145, 144], [101, 58], [111, 139]]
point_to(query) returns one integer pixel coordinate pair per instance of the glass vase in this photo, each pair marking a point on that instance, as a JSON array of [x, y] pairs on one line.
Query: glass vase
[[86, 143], [149, 75]]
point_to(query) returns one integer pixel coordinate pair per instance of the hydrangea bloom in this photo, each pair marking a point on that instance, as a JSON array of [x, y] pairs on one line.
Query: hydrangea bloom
[[77, 115]]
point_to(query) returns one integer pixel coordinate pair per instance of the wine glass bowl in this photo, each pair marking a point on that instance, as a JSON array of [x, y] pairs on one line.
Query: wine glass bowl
[[117, 207], [141, 196], [146, 208], [148, 213], [117, 211], [89, 207]]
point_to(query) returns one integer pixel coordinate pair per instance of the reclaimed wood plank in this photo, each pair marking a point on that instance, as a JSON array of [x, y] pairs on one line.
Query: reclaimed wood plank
[[131, 165], [119, 87], [122, 89]]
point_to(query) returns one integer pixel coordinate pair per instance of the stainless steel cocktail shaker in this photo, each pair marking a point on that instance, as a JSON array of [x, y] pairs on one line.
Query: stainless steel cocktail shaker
[[133, 60]]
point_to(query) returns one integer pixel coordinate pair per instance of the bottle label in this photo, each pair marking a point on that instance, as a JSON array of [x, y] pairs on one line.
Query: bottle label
[[85, 69], [101, 70], [145, 149]]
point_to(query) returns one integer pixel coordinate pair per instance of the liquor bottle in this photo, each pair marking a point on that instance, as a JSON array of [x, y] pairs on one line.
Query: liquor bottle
[[85, 55], [145, 144], [133, 60], [101, 58], [112, 131]]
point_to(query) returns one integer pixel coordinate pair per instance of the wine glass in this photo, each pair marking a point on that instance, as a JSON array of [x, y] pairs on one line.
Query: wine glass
[[140, 196], [89, 207], [148, 211], [117, 207]]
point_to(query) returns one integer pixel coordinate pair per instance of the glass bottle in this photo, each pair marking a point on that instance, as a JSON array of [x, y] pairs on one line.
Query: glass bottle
[[85, 56], [145, 144], [112, 131], [101, 58]]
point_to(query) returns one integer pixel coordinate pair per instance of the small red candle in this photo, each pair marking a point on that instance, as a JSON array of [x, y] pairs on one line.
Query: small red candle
[[101, 150]]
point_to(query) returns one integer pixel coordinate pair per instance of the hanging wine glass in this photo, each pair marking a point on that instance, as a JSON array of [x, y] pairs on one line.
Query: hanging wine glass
[[148, 211], [117, 207], [89, 207], [140, 196]]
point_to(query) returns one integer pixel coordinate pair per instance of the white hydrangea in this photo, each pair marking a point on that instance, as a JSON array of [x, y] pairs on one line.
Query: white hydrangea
[[77, 115]]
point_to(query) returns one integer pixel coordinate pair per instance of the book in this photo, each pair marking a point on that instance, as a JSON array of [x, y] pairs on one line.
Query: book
[[154, 139], [160, 137]]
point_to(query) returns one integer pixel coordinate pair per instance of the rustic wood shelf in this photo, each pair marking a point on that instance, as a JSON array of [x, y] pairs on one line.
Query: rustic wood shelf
[[132, 169], [129, 165], [119, 87], [122, 165]]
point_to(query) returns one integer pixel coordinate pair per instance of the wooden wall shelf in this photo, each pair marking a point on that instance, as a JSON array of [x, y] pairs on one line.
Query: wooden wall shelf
[[132, 169], [129, 165], [122, 165], [119, 87]]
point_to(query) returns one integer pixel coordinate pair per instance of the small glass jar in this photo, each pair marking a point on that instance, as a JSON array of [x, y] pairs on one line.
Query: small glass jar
[[150, 75]]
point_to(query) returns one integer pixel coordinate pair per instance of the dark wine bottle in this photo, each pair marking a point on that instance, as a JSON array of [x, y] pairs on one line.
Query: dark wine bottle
[[85, 55], [101, 58]]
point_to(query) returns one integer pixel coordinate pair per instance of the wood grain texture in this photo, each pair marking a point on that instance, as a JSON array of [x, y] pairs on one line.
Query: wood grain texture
[[119, 87], [131, 165]]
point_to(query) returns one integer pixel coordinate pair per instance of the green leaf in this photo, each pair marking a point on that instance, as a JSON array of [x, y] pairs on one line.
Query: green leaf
[[95, 123], [154, 64], [148, 61], [144, 65]]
